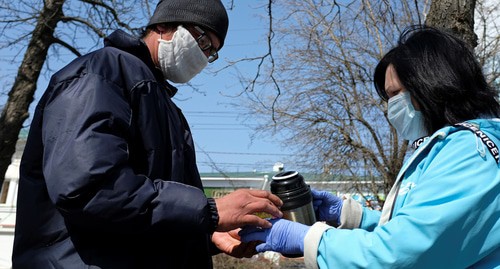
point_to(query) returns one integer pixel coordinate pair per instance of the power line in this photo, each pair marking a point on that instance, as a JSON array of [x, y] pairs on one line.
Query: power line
[[210, 112], [233, 164], [223, 124], [220, 129], [246, 153], [211, 116]]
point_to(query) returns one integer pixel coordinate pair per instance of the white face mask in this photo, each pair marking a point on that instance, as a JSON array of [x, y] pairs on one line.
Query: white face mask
[[181, 58], [402, 115]]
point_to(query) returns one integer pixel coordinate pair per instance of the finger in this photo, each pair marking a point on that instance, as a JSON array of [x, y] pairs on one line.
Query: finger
[[314, 193], [234, 233], [275, 199], [273, 210], [264, 206], [323, 194], [267, 195], [253, 220]]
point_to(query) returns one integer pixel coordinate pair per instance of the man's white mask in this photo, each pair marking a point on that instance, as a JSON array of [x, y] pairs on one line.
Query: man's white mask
[[181, 58]]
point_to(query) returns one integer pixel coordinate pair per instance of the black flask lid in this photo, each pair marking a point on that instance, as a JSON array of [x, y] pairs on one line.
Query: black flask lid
[[291, 188]]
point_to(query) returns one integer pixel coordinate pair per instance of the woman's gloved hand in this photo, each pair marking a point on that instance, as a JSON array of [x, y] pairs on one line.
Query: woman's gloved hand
[[286, 237], [327, 206]]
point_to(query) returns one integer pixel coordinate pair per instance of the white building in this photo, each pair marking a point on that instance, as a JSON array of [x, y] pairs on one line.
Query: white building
[[8, 198]]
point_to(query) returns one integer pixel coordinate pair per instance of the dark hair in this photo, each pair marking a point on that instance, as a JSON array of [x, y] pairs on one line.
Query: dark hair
[[442, 74], [146, 30]]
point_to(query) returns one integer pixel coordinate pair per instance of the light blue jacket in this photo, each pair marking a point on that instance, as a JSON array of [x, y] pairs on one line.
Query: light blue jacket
[[446, 213]]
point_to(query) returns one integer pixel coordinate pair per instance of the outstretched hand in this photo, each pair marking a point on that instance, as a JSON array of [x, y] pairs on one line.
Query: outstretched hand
[[286, 237], [230, 244], [238, 209]]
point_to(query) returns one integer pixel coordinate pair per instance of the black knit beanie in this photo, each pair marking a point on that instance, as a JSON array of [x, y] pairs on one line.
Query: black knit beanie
[[209, 14]]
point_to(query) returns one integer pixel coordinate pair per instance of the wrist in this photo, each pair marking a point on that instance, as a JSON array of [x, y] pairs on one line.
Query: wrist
[[335, 222], [302, 231]]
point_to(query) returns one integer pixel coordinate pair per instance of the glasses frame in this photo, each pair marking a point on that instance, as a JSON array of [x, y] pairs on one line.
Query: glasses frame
[[205, 44]]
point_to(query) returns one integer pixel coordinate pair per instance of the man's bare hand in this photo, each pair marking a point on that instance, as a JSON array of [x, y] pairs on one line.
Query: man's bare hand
[[230, 243], [238, 209]]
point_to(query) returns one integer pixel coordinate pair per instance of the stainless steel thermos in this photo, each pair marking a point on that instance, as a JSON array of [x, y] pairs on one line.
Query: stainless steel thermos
[[291, 188]]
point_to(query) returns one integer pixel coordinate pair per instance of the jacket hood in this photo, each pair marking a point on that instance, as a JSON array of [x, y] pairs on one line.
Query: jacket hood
[[123, 41], [491, 126]]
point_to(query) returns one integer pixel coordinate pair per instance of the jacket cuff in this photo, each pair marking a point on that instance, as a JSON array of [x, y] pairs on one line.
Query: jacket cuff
[[352, 212], [214, 215], [311, 243]]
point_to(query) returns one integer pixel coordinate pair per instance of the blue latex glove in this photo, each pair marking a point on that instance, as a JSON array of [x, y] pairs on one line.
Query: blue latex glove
[[286, 237], [327, 206]]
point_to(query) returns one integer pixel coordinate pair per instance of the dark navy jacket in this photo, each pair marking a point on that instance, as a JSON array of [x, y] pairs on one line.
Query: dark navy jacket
[[108, 175]]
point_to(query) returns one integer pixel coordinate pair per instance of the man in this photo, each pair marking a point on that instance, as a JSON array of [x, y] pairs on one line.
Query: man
[[109, 177]]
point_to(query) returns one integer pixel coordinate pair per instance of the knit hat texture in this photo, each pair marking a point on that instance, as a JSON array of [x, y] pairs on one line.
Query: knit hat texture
[[209, 14]]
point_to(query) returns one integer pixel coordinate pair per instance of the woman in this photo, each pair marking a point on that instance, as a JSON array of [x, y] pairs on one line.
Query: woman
[[444, 209]]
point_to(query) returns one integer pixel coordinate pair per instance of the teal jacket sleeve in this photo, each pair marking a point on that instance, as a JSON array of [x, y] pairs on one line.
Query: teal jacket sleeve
[[370, 219], [446, 215]]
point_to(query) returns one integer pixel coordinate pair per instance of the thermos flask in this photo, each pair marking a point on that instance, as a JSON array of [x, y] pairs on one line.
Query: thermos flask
[[291, 188]]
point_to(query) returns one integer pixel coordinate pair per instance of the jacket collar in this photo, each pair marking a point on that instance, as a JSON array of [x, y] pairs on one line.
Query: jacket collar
[[137, 47]]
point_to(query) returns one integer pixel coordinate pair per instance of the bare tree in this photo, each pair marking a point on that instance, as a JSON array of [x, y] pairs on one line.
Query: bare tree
[[487, 27], [320, 64], [63, 23], [324, 99]]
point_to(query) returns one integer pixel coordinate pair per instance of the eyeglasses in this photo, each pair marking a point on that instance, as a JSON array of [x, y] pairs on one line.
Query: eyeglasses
[[205, 44]]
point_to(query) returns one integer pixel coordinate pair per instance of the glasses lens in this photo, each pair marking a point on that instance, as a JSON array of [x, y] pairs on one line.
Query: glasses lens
[[204, 42]]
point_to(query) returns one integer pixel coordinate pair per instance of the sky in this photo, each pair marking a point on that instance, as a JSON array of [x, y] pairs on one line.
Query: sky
[[221, 133], [222, 136]]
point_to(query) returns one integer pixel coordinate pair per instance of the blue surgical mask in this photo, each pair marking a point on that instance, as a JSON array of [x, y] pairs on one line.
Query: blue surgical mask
[[402, 115]]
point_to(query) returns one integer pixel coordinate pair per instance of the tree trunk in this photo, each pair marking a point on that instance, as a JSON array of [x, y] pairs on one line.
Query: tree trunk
[[456, 16], [15, 111]]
